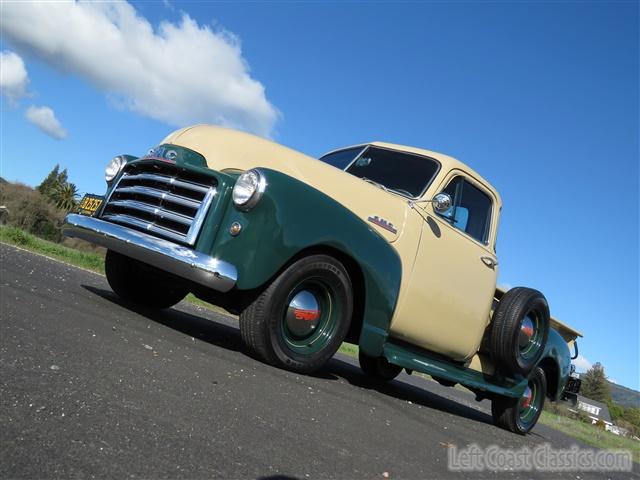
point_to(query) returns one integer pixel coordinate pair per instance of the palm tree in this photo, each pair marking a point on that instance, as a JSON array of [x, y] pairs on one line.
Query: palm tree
[[65, 196]]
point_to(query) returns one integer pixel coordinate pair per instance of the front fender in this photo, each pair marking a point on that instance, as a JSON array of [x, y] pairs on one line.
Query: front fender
[[292, 217]]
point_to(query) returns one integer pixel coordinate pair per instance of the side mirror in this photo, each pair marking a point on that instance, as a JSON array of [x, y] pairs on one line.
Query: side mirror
[[442, 202]]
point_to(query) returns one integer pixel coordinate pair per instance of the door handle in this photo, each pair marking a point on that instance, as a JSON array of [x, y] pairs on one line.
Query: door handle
[[489, 262]]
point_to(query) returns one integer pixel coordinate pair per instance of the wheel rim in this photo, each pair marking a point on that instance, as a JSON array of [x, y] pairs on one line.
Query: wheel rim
[[529, 406], [529, 336], [310, 317]]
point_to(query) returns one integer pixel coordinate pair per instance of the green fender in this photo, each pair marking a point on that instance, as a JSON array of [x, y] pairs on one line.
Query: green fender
[[557, 352], [292, 217]]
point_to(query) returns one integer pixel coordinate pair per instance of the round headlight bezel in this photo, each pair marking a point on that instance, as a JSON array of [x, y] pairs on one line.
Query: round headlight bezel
[[114, 167], [248, 189]]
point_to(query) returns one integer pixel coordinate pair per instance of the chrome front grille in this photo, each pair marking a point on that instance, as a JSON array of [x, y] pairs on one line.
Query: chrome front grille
[[162, 200]]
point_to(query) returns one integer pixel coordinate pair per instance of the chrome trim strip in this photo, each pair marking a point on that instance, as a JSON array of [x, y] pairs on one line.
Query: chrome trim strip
[[169, 181], [162, 195], [152, 210], [201, 214], [125, 219], [164, 210], [170, 257]]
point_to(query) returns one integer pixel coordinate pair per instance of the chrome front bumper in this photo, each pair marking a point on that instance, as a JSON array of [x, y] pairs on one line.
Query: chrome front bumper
[[167, 256]]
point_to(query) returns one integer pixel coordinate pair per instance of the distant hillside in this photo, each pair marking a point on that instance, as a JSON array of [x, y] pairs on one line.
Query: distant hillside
[[624, 396]]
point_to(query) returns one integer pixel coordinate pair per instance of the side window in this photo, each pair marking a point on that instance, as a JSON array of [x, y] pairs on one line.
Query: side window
[[470, 210]]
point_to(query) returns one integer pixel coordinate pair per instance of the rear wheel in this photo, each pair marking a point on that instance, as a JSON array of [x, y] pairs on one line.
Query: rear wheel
[[519, 330], [520, 415], [140, 283], [300, 320], [378, 368]]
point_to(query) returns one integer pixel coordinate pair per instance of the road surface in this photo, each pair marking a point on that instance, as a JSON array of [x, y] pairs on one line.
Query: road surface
[[94, 387]]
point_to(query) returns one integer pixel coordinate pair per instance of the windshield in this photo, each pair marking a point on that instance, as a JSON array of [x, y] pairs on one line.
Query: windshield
[[401, 172], [342, 158]]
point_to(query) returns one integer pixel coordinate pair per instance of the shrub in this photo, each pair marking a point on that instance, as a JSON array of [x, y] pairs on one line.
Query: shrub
[[29, 210], [556, 408], [581, 416]]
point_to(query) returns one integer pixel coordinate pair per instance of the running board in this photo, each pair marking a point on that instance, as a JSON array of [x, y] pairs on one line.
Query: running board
[[420, 362]]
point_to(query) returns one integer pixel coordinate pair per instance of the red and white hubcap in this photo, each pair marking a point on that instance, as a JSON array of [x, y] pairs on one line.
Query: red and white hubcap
[[303, 314], [527, 398]]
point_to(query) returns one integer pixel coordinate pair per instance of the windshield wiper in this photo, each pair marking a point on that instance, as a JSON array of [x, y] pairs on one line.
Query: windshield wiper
[[373, 182], [379, 185]]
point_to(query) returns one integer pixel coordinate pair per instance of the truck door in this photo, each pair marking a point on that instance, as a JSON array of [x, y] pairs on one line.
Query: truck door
[[448, 300]]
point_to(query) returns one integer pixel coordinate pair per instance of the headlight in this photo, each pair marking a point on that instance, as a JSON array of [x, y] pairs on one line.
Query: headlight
[[114, 167], [249, 189]]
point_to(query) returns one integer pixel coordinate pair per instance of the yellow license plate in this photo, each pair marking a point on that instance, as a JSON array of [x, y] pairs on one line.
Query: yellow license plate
[[89, 204]]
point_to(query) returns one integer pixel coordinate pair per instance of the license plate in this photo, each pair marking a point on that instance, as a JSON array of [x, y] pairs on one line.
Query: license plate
[[89, 204]]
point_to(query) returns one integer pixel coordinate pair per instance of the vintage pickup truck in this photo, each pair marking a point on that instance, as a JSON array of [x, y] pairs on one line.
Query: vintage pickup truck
[[385, 246]]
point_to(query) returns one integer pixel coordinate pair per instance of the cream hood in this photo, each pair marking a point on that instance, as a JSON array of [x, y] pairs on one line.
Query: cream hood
[[230, 149]]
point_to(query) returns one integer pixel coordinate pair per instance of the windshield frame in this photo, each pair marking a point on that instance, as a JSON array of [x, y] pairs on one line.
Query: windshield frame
[[366, 147]]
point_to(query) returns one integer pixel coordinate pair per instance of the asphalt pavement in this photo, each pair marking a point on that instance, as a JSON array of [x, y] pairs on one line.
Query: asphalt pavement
[[92, 387]]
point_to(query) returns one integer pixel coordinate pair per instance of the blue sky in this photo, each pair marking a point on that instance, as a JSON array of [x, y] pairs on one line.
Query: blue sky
[[541, 98]]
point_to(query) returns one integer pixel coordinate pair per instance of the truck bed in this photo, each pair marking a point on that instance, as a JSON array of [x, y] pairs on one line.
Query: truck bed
[[568, 333]]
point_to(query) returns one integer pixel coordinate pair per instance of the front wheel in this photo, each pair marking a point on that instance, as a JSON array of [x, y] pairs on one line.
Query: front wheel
[[140, 283], [520, 415], [299, 321]]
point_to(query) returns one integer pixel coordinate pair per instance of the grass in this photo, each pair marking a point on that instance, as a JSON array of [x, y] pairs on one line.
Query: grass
[[590, 434], [89, 261], [349, 349], [20, 238], [586, 433]]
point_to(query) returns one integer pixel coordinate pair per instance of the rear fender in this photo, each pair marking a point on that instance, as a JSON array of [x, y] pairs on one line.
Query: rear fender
[[556, 363]]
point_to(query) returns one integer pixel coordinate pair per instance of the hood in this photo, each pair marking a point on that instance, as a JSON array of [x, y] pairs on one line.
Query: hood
[[226, 149]]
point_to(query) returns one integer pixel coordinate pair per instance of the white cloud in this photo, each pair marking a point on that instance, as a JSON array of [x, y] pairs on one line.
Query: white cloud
[[505, 286], [45, 120], [180, 73], [13, 76], [582, 364]]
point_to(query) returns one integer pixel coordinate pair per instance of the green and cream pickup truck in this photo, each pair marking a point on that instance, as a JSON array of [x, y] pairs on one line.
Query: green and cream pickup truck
[[385, 246]]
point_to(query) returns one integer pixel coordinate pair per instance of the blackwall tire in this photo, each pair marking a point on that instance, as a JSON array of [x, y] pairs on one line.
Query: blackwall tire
[[520, 415], [519, 330], [140, 283], [299, 321]]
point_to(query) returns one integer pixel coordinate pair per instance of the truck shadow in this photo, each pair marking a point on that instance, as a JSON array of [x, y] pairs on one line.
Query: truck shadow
[[195, 326], [228, 337], [401, 390]]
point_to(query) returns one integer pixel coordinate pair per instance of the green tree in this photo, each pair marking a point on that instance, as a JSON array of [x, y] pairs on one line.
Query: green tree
[[616, 411], [65, 196], [632, 415], [63, 177], [50, 181], [595, 385], [57, 188]]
